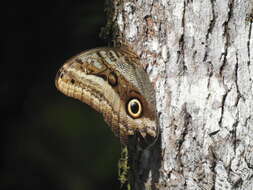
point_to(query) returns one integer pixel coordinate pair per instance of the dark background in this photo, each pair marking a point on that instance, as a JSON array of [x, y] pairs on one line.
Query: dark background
[[50, 141]]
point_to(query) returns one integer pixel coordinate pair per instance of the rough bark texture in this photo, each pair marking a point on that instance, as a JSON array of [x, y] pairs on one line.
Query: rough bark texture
[[199, 56]]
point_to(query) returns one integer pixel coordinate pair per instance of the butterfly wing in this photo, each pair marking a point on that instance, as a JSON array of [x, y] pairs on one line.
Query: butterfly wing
[[108, 79]]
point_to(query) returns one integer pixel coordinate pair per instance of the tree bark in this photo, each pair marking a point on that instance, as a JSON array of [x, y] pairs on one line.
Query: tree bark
[[198, 54]]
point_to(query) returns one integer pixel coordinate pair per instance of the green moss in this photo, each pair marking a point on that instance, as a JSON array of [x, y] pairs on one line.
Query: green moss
[[123, 167]]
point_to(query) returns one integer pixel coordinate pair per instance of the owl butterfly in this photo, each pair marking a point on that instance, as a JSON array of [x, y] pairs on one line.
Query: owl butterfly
[[112, 81]]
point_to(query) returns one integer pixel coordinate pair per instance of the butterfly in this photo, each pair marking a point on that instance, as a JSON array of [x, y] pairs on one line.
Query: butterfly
[[113, 82]]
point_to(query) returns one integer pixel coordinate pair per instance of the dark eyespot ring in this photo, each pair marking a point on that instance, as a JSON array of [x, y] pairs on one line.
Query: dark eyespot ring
[[134, 108], [112, 79]]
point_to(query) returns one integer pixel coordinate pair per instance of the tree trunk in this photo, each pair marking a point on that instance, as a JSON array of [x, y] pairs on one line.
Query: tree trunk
[[198, 54]]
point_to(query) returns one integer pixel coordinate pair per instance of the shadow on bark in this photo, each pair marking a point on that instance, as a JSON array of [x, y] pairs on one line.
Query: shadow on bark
[[144, 163]]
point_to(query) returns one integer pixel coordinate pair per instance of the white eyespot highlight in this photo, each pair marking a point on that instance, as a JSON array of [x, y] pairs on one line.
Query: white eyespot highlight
[[134, 108]]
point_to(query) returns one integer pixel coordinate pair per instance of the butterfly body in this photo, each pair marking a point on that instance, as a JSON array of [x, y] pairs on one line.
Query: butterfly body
[[112, 81]]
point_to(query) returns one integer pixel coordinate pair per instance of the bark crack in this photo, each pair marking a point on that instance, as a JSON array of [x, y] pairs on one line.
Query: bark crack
[[248, 42], [226, 36], [239, 94], [187, 120], [236, 80], [182, 43], [151, 7], [248, 164], [210, 29], [234, 133], [224, 54], [210, 71], [214, 133], [247, 120], [213, 166], [223, 106], [234, 127]]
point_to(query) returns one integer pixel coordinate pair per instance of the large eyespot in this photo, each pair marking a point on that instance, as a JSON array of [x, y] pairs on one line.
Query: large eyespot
[[134, 108]]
